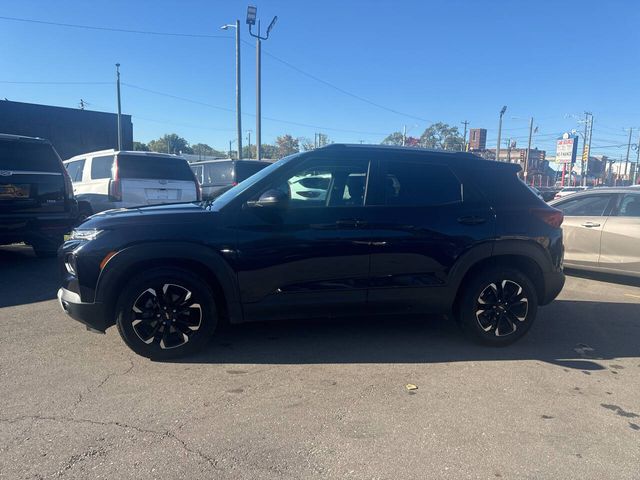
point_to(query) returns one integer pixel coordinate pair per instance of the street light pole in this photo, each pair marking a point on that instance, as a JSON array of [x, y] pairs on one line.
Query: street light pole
[[238, 86], [626, 162], [504, 109], [251, 20], [119, 107], [526, 159]]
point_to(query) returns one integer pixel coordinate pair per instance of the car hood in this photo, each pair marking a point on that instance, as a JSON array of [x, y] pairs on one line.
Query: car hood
[[177, 213]]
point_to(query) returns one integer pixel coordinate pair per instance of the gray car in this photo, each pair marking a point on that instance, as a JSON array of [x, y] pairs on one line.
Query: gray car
[[602, 230]]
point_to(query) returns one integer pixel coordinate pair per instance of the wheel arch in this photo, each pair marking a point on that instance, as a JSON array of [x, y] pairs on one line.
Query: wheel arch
[[203, 261]]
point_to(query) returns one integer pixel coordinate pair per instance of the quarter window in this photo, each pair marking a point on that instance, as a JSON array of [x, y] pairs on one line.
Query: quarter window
[[409, 183], [101, 167], [591, 206]]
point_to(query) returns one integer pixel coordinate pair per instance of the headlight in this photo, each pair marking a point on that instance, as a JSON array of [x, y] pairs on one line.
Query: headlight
[[87, 235]]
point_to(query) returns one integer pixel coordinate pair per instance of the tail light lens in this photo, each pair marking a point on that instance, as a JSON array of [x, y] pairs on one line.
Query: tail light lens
[[115, 186], [550, 216], [68, 186]]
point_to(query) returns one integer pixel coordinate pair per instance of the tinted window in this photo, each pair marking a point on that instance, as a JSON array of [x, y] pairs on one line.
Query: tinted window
[[29, 156], [245, 170], [75, 170], [420, 184], [591, 206], [335, 184], [218, 173], [502, 187], [154, 168], [630, 206], [101, 167]]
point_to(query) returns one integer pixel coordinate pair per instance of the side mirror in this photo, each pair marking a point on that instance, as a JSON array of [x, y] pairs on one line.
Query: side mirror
[[274, 199]]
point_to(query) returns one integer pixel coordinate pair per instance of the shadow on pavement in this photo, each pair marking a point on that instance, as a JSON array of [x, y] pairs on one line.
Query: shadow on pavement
[[571, 334], [604, 277], [25, 278]]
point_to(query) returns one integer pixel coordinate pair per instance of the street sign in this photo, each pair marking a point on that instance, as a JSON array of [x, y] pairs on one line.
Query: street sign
[[566, 149]]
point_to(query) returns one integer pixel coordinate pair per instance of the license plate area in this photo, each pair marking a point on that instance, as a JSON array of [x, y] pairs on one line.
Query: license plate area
[[14, 191], [161, 193]]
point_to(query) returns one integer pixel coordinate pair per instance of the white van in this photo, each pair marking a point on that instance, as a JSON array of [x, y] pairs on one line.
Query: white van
[[120, 179]]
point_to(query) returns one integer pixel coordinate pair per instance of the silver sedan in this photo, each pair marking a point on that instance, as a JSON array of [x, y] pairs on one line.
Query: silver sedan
[[602, 230]]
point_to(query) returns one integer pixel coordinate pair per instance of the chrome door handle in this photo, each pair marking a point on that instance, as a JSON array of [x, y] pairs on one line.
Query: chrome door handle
[[590, 224], [378, 244]]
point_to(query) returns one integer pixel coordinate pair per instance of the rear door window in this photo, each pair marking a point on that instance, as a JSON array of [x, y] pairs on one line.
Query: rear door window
[[630, 206], [218, 173], [417, 183], [28, 156], [75, 170], [589, 206], [154, 167], [101, 167]]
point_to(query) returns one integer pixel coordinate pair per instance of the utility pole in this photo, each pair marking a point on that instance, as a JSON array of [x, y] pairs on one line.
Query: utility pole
[[635, 171], [504, 109], [586, 165], [464, 137], [626, 162], [509, 151], [404, 136], [526, 159], [251, 20], [588, 121], [238, 89], [249, 141], [119, 107]]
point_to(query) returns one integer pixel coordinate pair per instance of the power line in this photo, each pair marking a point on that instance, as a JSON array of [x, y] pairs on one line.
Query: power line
[[11, 82], [204, 104], [111, 29]]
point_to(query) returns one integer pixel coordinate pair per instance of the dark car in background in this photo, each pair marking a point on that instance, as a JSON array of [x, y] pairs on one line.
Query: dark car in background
[[36, 197], [395, 230], [217, 176]]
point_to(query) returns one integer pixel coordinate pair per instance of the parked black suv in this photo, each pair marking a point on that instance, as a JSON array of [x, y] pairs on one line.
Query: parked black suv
[[36, 196], [395, 230], [218, 176]]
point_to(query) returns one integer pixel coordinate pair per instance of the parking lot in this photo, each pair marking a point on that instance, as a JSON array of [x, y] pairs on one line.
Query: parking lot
[[322, 399]]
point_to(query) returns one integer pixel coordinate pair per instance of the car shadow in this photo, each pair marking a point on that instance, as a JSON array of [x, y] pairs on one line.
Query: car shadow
[[25, 278], [604, 277], [571, 334]]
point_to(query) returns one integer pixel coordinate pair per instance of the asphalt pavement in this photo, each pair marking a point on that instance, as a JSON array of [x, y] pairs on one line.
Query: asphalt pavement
[[322, 399]]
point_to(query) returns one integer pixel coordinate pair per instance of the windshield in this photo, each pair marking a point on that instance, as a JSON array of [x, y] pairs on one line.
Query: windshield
[[229, 195]]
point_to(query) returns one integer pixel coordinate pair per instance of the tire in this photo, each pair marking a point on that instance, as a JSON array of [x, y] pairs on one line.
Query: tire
[[47, 247], [176, 323], [497, 306]]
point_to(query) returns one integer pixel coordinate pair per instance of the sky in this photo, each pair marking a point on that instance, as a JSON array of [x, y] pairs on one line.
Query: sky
[[354, 70]]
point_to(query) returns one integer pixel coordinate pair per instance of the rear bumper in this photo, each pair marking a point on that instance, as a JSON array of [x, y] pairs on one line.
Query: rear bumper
[[89, 314], [17, 228], [553, 283]]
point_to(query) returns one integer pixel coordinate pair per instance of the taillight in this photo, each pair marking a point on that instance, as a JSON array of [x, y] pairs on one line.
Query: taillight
[[115, 187], [68, 186], [550, 216]]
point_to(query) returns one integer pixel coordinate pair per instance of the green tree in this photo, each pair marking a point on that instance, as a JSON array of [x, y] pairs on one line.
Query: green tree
[[287, 145], [394, 139], [170, 143], [270, 151], [249, 151], [306, 144], [140, 146], [206, 150], [441, 135]]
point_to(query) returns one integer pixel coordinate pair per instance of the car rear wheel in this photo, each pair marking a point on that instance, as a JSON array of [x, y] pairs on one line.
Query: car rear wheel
[[166, 313], [497, 306]]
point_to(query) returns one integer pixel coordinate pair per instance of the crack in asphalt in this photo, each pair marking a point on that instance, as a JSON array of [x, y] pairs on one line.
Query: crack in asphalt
[[102, 382], [163, 434]]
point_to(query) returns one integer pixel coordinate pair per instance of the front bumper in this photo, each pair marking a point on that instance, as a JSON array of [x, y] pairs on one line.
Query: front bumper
[[553, 282], [92, 315]]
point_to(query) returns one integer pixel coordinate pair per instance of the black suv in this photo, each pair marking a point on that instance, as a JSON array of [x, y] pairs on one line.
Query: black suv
[[395, 230], [36, 196]]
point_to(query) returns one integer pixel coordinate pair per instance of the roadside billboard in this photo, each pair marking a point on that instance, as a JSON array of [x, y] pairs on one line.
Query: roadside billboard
[[566, 149]]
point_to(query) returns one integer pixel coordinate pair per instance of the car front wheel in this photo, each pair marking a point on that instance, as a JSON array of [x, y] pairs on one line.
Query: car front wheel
[[497, 306], [166, 313]]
